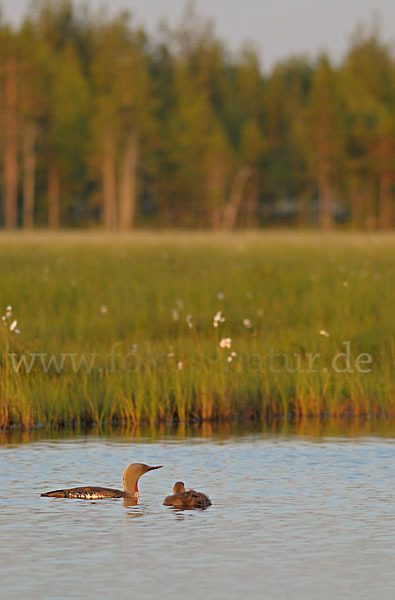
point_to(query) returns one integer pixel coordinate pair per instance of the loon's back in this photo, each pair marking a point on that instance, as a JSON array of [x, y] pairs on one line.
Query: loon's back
[[87, 493]]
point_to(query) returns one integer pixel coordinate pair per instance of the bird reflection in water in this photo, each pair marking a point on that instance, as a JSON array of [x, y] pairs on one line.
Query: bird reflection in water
[[133, 508]]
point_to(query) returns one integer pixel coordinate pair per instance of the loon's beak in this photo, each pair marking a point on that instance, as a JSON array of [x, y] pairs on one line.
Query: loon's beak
[[152, 468]]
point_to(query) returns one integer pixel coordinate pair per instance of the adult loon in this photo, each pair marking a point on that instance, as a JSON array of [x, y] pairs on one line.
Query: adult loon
[[189, 499], [131, 475]]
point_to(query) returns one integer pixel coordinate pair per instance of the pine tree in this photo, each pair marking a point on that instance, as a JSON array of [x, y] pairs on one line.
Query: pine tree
[[10, 81], [325, 132]]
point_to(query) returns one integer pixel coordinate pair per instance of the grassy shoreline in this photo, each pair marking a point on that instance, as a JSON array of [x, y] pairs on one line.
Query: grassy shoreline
[[131, 317]]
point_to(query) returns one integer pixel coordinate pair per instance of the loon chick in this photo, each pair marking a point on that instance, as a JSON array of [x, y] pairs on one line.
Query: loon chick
[[189, 499], [131, 475]]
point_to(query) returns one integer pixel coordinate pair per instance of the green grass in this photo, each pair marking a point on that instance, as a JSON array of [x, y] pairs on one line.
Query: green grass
[[290, 285]]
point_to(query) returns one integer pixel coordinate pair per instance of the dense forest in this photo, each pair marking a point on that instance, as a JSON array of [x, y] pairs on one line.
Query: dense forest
[[102, 125]]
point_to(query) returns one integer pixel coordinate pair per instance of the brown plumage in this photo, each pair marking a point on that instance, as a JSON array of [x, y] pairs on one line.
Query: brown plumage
[[131, 475], [189, 499]]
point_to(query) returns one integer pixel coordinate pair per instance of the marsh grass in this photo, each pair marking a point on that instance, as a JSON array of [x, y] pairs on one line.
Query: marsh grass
[[149, 367]]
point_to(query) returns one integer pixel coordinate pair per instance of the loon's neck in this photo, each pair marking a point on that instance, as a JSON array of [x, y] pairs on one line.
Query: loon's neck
[[131, 490]]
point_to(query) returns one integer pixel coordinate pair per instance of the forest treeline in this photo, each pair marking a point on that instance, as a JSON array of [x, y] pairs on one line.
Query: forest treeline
[[102, 125]]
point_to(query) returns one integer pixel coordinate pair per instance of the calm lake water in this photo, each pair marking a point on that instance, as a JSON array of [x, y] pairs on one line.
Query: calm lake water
[[293, 516]]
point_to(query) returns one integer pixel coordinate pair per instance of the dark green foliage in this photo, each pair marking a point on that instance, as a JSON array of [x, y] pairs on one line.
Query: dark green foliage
[[187, 134]]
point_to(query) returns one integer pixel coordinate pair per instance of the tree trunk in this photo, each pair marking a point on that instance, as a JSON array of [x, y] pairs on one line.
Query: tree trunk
[[356, 202], [53, 197], [109, 181], [215, 194], [128, 184], [236, 195], [252, 200], [385, 216], [370, 212], [29, 175], [10, 145], [325, 197]]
